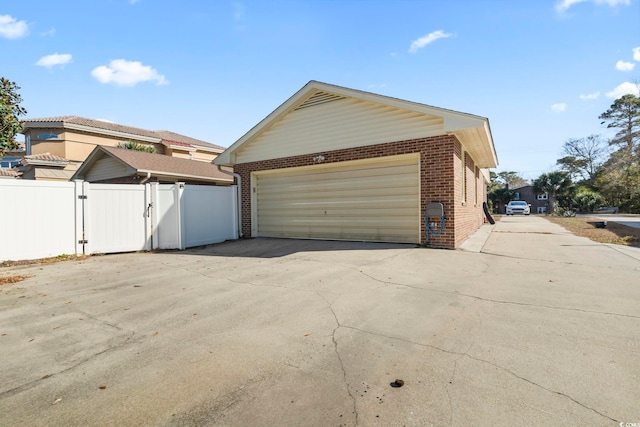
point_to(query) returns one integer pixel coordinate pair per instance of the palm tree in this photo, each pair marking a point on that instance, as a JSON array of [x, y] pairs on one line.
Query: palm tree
[[554, 184]]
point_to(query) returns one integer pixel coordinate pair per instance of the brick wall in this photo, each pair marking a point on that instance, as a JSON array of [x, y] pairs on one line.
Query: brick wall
[[469, 215], [440, 174]]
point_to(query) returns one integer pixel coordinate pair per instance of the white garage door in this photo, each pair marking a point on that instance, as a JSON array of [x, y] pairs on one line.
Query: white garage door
[[371, 200]]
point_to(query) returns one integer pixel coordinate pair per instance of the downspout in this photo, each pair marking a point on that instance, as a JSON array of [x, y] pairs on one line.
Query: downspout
[[238, 196], [147, 178]]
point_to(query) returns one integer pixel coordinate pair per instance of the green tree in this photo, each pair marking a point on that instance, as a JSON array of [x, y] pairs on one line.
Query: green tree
[[584, 157], [587, 200], [10, 111], [136, 146], [498, 193], [557, 185], [619, 181], [624, 115], [511, 179]]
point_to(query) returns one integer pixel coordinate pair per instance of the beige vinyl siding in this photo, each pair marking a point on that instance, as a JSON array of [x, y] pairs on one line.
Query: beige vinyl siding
[[338, 124], [106, 168], [370, 200]]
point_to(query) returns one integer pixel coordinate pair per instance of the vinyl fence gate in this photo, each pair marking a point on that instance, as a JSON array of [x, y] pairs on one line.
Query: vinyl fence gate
[[42, 219]]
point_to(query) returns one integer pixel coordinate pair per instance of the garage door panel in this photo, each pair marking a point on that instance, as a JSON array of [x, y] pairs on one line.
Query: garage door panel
[[332, 176], [347, 201], [343, 203]]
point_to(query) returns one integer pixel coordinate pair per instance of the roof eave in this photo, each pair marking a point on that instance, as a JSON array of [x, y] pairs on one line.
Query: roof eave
[[161, 174], [454, 121], [90, 129]]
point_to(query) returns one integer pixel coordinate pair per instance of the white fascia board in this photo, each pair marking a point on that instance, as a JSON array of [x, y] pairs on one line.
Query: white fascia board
[[179, 147], [208, 149], [159, 173], [45, 163]]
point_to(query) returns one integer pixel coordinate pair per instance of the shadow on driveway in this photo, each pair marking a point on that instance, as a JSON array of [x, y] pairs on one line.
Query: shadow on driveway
[[265, 247]]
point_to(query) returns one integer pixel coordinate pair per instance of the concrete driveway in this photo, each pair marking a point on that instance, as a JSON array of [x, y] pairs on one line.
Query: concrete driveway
[[539, 328]]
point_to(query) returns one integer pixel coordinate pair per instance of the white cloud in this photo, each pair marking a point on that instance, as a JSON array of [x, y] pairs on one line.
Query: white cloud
[[636, 53], [55, 59], [624, 66], [559, 108], [624, 89], [127, 73], [564, 5], [429, 38], [588, 96], [11, 28]]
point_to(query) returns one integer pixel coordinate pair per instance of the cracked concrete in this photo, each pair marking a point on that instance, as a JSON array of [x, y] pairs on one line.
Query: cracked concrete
[[537, 328]]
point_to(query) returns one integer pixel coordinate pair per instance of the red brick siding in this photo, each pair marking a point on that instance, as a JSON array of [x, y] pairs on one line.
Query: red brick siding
[[469, 215], [440, 169]]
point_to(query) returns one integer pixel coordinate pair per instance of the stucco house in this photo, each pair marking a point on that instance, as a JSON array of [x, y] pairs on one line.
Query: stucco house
[[338, 163], [74, 138], [43, 166]]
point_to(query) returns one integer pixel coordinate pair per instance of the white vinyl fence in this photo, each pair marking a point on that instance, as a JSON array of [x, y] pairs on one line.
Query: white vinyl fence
[[43, 219]]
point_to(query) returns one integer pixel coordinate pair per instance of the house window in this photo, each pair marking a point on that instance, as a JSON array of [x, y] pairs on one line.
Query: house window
[[544, 196], [542, 209], [47, 136], [475, 183], [516, 195], [9, 161], [464, 178]]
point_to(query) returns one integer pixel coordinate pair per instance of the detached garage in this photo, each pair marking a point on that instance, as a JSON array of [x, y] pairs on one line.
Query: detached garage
[[336, 163]]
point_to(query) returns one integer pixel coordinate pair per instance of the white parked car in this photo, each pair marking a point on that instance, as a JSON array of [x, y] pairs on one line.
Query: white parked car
[[518, 207]]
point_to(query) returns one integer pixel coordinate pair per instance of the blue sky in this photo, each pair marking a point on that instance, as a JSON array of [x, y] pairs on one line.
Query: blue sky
[[540, 70]]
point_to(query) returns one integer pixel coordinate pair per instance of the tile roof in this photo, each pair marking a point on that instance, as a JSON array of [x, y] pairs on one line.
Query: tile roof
[[8, 173], [46, 157], [159, 164], [115, 127]]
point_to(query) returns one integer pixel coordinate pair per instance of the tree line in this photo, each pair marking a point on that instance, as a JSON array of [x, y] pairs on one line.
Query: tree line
[[592, 172]]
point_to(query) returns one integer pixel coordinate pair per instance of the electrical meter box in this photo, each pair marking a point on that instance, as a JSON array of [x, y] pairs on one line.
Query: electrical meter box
[[435, 210]]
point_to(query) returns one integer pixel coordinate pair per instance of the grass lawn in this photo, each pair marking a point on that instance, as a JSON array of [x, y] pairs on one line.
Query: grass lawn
[[614, 233]]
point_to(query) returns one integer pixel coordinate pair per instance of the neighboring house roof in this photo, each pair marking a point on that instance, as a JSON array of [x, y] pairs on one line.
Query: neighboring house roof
[[8, 173], [44, 159], [114, 129], [473, 131], [156, 165], [177, 144]]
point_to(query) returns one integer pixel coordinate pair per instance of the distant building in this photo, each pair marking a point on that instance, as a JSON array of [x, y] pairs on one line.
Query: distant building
[[540, 203], [71, 139]]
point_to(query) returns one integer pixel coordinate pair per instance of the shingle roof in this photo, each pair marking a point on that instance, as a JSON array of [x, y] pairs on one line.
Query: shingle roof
[[159, 164], [115, 127]]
